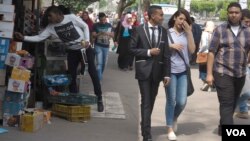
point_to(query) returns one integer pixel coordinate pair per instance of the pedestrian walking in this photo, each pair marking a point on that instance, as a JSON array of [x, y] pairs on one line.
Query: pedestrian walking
[[182, 45], [122, 39], [245, 93], [149, 45], [197, 31], [102, 33], [203, 48], [90, 53], [227, 62]]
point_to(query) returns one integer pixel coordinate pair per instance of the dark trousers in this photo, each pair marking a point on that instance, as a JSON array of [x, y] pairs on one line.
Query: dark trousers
[[125, 61], [228, 91], [93, 72], [148, 90], [74, 58]]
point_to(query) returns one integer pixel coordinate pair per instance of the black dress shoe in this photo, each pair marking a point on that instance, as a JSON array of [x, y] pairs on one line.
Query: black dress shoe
[[100, 106]]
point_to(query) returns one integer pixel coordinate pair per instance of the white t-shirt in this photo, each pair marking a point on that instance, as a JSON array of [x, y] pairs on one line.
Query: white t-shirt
[[235, 29], [72, 30]]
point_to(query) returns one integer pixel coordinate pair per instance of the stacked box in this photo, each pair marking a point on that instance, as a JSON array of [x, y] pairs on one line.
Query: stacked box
[[72, 113], [31, 122], [7, 2], [17, 86], [14, 97], [7, 21], [20, 74], [13, 59], [4, 47], [11, 120], [13, 106], [11, 113]]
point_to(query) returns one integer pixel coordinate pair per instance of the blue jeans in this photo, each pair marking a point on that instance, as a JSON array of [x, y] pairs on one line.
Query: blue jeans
[[176, 93], [242, 102], [101, 59]]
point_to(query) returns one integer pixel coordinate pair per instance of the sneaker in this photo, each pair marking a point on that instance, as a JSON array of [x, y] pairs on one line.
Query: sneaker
[[209, 89], [205, 87], [172, 136], [243, 115], [100, 106]]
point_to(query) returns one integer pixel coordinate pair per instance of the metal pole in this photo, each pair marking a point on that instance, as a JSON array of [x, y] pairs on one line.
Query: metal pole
[[139, 14], [179, 4]]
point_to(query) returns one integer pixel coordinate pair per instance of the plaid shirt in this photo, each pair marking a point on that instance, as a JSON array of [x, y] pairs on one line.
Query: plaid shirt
[[230, 50]]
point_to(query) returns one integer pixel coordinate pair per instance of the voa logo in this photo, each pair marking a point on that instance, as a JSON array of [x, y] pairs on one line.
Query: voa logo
[[236, 132]]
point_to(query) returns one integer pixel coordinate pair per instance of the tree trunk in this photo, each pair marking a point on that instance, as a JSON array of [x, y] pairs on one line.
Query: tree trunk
[[120, 8], [146, 4]]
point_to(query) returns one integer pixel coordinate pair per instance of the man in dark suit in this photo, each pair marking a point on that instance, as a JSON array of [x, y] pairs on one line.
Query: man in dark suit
[[149, 45]]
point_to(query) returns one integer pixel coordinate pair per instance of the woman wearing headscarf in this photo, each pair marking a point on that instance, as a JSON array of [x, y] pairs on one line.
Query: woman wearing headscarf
[[124, 32], [204, 45]]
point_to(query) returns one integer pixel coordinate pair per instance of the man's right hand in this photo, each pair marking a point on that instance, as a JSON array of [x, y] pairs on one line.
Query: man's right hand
[[210, 79], [155, 51], [19, 36]]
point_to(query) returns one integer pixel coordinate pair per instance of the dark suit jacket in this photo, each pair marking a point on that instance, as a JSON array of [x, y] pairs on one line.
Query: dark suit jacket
[[158, 66]]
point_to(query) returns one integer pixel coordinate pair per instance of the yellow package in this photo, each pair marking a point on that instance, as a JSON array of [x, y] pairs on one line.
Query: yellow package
[[20, 74]]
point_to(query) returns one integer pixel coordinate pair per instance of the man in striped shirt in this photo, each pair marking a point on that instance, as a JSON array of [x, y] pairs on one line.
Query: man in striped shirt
[[227, 60]]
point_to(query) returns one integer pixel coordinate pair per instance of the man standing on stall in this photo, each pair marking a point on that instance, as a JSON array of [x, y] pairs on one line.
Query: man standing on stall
[[72, 31]]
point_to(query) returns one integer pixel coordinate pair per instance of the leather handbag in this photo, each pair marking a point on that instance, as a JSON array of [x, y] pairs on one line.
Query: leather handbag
[[201, 58], [190, 86]]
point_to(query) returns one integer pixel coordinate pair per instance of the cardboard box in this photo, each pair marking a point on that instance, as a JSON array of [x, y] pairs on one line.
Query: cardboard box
[[27, 62], [11, 120], [31, 122], [15, 46], [46, 114], [13, 108], [7, 2], [6, 29], [17, 86], [12, 59], [20, 74], [2, 61], [7, 8], [7, 16], [4, 45], [14, 97]]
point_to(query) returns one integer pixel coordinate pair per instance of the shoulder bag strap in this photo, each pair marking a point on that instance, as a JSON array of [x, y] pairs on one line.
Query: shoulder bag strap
[[179, 53]]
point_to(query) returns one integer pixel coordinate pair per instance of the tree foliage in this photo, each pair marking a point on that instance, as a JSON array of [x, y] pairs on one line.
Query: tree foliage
[[208, 6], [76, 5], [122, 5]]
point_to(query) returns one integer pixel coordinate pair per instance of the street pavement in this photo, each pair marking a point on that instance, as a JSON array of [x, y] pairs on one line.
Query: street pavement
[[198, 122]]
